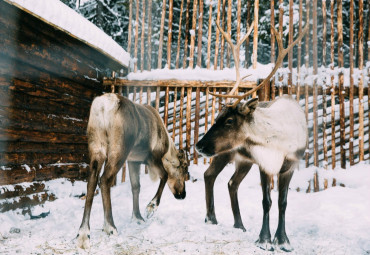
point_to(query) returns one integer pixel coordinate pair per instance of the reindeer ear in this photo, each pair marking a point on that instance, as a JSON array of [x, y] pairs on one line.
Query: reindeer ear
[[249, 106]]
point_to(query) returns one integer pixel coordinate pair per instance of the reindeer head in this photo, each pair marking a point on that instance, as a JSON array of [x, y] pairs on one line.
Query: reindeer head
[[227, 132], [177, 169]]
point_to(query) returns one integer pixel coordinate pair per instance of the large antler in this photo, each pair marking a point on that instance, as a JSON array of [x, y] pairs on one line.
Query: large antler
[[235, 49], [282, 53]]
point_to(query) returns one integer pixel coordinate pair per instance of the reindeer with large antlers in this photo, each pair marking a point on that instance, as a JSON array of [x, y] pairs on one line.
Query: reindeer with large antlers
[[272, 135]]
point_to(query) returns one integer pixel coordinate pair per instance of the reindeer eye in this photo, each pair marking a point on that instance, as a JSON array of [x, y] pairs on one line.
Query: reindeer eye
[[229, 121]]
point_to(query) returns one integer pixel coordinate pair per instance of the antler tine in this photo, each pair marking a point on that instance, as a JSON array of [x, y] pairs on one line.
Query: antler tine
[[246, 35], [226, 35], [282, 53], [235, 51]]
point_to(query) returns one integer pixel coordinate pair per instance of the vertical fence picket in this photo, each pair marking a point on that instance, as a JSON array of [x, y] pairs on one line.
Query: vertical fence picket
[[307, 61], [238, 18], [169, 41], [222, 38], [186, 34], [324, 86], [160, 46], [181, 116], [351, 87], [200, 34], [299, 53], [361, 134], [188, 118], [134, 94], [148, 96], [290, 53], [196, 123], [341, 90], [281, 19], [136, 33], [247, 26], [333, 150], [129, 29], [179, 36], [192, 34], [215, 60], [142, 37], [149, 62], [255, 33], [272, 25], [141, 95], [157, 98], [228, 52], [174, 120], [209, 37], [167, 96], [206, 116]]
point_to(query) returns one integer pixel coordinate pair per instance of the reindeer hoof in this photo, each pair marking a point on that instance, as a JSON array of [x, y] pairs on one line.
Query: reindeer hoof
[[240, 226], [210, 220], [150, 209], [83, 239], [137, 219], [283, 246], [264, 245], [110, 230]]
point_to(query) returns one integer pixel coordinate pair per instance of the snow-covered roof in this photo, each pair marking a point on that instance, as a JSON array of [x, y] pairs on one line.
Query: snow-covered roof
[[64, 18]]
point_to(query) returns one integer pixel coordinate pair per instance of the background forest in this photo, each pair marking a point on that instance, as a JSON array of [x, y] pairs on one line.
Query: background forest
[[113, 17]]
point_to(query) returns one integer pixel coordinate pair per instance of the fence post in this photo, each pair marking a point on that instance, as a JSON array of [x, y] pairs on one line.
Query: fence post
[[186, 34], [209, 37], [179, 36], [228, 53], [333, 149], [255, 33], [200, 34], [149, 62], [142, 37], [217, 35], [341, 87], [247, 26], [360, 83], [324, 112], [169, 41], [307, 61], [160, 47], [136, 33], [290, 53], [351, 119], [192, 35]]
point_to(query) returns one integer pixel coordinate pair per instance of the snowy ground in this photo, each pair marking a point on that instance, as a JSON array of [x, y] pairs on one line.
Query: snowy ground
[[334, 221]]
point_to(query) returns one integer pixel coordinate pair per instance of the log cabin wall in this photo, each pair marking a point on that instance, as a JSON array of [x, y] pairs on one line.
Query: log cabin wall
[[48, 80]]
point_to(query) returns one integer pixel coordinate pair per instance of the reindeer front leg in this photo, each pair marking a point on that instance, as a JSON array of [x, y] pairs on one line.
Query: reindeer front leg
[[154, 203], [134, 169], [217, 165]]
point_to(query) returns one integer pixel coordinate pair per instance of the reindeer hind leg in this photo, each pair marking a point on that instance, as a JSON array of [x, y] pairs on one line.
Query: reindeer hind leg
[[281, 240], [83, 237], [264, 241], [115, 161]]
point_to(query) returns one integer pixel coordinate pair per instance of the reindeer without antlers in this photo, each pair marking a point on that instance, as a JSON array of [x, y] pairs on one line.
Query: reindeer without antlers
[[120, 130], [272, 135]]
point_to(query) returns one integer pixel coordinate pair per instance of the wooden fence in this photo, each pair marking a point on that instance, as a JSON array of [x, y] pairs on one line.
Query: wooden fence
[[336, 106], [335, 96]]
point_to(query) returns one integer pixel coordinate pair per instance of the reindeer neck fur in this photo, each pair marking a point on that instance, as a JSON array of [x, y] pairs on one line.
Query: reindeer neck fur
[[170, 159], [277, 131]]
